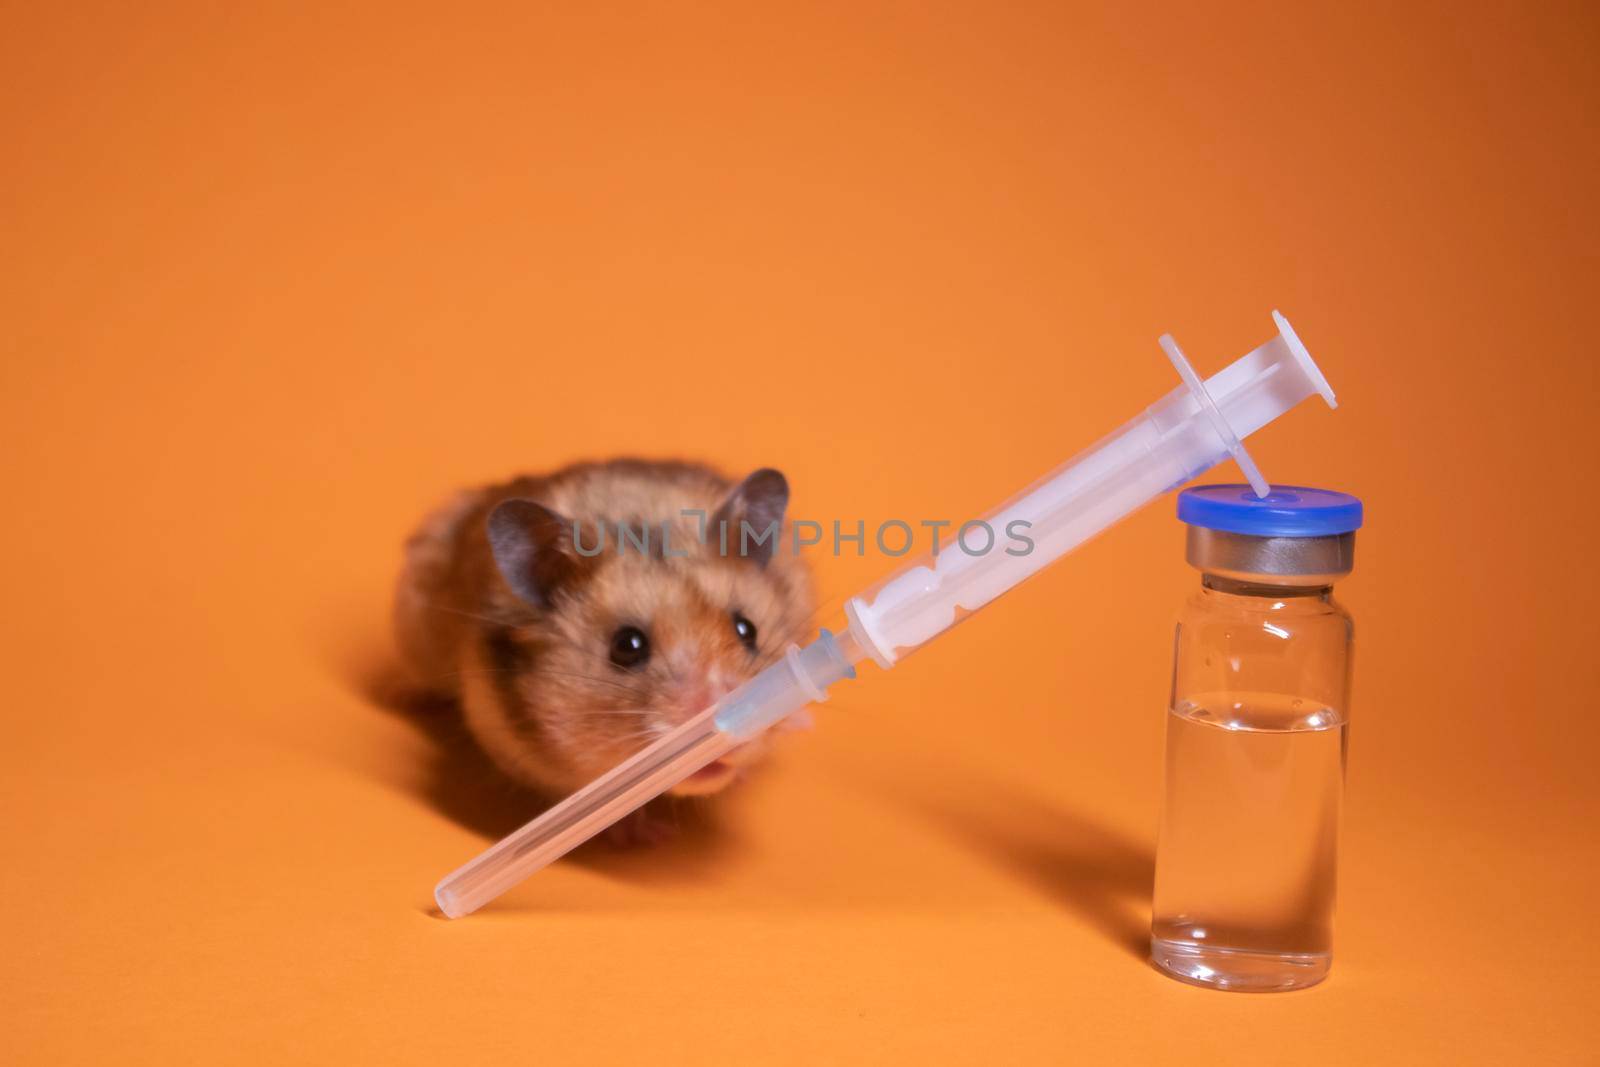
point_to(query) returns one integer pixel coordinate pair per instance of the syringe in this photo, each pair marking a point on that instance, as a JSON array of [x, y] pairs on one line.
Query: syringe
[[1182, 435]]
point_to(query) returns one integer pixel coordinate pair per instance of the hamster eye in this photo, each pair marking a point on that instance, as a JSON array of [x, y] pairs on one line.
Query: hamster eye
[[746, 630], [630, 647]]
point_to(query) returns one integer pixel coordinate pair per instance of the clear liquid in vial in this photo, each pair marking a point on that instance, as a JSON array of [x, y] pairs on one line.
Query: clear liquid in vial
[[1245, 868]]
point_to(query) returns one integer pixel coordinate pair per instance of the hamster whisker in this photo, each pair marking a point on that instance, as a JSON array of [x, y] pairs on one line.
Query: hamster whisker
[[466, 614], [442, 675], [825, 612], [634, 690], [640, 738], [630, 690]]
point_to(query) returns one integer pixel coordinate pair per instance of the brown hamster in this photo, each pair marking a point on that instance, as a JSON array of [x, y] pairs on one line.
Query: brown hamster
[[564, 660]]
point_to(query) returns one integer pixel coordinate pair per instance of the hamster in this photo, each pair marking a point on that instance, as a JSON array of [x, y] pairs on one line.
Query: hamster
[[565, 660]]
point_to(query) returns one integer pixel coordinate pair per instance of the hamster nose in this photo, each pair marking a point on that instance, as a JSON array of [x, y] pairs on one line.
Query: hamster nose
[[701, 692], [697, 697]]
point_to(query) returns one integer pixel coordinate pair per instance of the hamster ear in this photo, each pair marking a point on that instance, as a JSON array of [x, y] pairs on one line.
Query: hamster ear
[[759, 500], [534, 549]]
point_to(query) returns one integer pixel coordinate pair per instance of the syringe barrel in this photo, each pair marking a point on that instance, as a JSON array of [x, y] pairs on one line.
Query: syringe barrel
[[1168, 443]]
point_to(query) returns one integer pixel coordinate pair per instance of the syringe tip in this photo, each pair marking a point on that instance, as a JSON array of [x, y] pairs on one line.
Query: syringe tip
[[449, 903]]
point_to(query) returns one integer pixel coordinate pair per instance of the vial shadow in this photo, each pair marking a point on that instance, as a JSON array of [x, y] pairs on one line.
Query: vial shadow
[[1103, 876]]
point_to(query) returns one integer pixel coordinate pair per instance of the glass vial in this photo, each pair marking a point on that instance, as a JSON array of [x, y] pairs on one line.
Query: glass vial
[[1255, 741]]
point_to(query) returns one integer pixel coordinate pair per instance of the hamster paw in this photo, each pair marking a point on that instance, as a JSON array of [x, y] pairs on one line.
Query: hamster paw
[[641, 829]]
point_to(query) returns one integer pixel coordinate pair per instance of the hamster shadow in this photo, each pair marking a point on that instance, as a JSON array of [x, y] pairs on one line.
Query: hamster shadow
[[1103, 876], [463, 784]]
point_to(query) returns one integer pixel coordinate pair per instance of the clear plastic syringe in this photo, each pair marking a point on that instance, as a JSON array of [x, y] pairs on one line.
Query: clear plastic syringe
[[1185, 433]]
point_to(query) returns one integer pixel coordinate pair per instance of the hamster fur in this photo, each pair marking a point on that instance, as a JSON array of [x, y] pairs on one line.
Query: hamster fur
[[564, 664]]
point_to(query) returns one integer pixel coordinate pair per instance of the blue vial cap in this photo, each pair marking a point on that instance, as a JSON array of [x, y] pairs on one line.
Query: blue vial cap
[[1288, 511]]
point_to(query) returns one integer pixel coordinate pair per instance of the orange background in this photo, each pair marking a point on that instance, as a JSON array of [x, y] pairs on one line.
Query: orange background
[[275, 282]]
